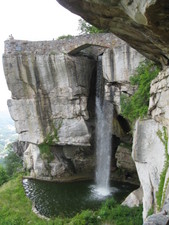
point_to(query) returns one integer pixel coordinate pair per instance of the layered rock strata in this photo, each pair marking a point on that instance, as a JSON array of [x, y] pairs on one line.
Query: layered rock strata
[[159, 102], [53, 98]]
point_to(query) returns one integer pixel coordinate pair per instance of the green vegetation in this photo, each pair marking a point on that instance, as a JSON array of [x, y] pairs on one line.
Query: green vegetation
[[13, 163], [7, 134], [135, 106], [51, 139], [12, 166], [126, 145], [84, 28], [45, 148], [16, 209], [150, 211], [3, 176], [64, 37], [87, 28], [160, 194]]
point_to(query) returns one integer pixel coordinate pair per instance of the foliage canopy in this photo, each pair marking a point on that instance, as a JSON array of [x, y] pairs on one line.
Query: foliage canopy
[[3, 176], [135, 106], [87, 28], [13, 163]]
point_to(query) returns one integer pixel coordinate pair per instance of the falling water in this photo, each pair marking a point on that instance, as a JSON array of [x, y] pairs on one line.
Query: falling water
[[104, 115]]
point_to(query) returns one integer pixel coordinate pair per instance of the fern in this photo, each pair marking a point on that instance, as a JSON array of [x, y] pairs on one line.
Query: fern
[[160, 194]]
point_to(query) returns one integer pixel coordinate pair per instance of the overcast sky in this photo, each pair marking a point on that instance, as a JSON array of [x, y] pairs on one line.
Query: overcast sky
[[32, 20]]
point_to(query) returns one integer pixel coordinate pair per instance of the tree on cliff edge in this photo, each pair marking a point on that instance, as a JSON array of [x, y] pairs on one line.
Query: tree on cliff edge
[[87, 28]]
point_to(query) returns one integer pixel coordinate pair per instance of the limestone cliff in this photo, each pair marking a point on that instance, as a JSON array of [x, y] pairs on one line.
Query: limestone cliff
[[53, 85], [149, 151], [144, 25]]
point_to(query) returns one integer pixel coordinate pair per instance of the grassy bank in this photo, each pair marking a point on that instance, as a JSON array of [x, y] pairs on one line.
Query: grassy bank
[[16, 209]]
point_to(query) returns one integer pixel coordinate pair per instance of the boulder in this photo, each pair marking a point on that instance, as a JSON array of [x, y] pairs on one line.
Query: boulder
[[134, 199], [124, 159], [157, 219]]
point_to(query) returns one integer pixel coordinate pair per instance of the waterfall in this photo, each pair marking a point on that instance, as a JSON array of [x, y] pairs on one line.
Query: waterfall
[[104, 116]]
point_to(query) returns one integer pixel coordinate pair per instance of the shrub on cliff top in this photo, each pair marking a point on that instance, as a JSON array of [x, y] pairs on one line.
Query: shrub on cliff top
[[135, 106], [64, 37]]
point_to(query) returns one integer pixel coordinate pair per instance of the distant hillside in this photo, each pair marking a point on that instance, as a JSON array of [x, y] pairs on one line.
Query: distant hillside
[[7, 132]]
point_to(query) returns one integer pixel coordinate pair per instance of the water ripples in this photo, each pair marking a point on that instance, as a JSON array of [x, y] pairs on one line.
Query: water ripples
[[66, 199]]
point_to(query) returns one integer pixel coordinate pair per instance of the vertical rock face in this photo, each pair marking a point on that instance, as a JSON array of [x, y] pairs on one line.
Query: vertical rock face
[[124, 160], [118, 65], [159, 102], [149, 151], [45, 89], [148, 154], [53, 98], [144, 25]]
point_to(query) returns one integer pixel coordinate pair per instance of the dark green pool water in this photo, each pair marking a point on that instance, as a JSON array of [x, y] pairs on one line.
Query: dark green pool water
[[67, 199]]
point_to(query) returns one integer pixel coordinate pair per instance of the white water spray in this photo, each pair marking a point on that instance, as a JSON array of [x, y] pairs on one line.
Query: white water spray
[[104, 116]]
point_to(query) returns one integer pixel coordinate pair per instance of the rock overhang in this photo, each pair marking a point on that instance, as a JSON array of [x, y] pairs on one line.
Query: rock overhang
[[142, 24]]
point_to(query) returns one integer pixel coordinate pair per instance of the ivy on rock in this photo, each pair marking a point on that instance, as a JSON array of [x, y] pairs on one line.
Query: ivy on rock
[[50, 139]]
